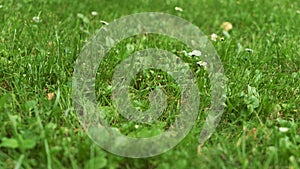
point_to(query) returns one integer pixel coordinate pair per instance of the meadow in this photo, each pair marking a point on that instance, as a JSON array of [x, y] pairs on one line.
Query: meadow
[[41, 40]]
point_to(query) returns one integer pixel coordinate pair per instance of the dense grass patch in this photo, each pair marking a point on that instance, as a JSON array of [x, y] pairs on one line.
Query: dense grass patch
[[40, 41]]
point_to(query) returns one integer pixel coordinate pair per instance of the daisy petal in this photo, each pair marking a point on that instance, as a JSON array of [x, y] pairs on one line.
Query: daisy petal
[[195, 53], [178, 9], [283, 129]]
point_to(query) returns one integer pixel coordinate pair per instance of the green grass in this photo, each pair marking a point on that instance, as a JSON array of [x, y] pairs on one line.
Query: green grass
[[262, 89]]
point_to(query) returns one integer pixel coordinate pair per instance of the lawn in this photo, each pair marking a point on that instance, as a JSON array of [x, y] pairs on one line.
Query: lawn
[[41, 40]]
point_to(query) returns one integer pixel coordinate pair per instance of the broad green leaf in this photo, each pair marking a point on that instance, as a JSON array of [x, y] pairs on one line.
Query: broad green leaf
[[96, 163], [28, 143], [9, 143], [30, 105]]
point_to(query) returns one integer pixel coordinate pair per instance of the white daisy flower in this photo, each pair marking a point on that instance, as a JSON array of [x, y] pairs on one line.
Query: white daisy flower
[[202, 63], [136, 126], [195, 53], [94, 13], [283, 129], [214, 37], [104, 22], [249, 50], [178, 9], [1, 6], [36, 19]]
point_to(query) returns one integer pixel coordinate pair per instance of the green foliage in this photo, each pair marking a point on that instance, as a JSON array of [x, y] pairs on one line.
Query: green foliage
[[40, 40]]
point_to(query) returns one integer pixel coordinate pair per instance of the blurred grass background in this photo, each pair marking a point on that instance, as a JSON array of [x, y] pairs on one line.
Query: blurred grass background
[[40, 41]]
